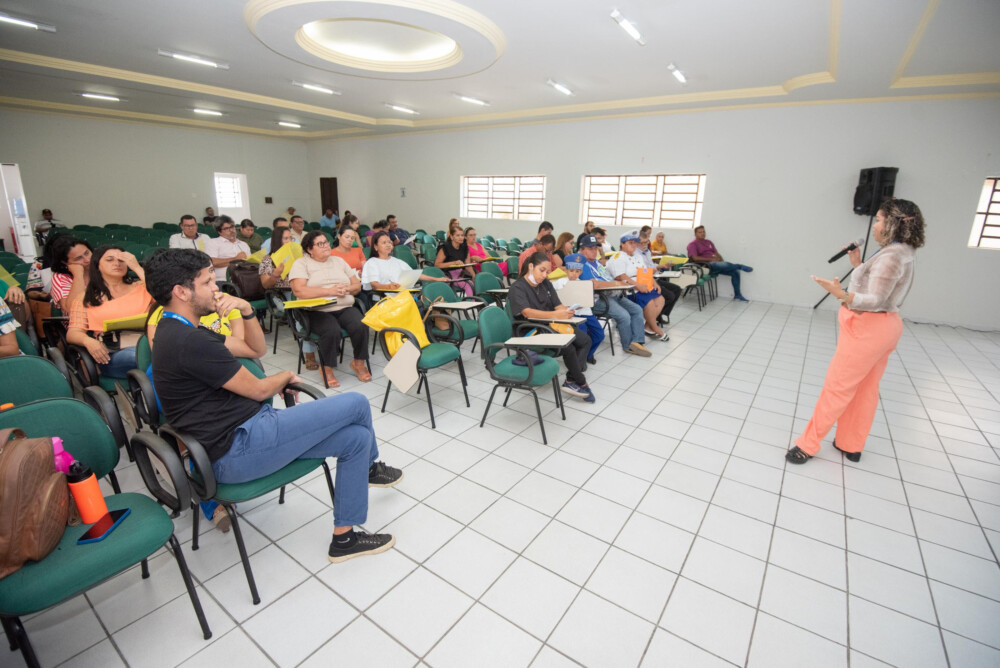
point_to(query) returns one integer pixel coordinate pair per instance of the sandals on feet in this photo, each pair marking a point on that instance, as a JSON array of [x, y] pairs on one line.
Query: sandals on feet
[[361, 370], [331, 380], [851, 456], [797, 456]]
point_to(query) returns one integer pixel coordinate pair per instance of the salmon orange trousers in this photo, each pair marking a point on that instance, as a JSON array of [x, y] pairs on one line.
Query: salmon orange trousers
[[850, 393]]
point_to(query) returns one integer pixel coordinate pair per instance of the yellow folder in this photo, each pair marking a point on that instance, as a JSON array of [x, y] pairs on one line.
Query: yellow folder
[[132, 322], [288, 254], [309, 303]]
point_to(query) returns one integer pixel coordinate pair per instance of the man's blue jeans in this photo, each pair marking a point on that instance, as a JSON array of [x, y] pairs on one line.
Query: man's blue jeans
[[338, 426], [120, 363], [628, 318], [728, 269]]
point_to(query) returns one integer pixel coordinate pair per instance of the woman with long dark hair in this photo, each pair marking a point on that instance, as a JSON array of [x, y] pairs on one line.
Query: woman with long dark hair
[[111, 294], [870, 328], [453, 253], [532, 296], [70, 265]]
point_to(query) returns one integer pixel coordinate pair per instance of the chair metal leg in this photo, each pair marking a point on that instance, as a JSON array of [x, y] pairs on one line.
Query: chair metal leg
[[114, 482], [488, 404], [506, 397], [385, 399], [559, 397], [19, 640], [8, 630], [420, 383], [254, 596], [275, 348], [175, 547], [144, 567], [538, 409], [465, 389], [298, 370], [281, 494], [430, 407], [195, 520], [329, 480]]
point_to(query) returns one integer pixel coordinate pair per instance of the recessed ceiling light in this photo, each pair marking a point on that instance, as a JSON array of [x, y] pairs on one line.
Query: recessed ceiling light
[[286, 124], [628, 27], [25, 23], [405, 110], [559, 87], [98, 96], [472, 100], [677, 73], [207, 112], [188, 58], [318, 89]]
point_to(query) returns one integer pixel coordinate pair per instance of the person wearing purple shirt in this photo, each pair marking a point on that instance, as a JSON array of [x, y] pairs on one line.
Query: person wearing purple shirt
[[703, 251]]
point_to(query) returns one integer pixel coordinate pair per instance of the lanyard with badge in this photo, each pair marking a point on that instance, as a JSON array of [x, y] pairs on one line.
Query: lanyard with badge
[[177, 316]]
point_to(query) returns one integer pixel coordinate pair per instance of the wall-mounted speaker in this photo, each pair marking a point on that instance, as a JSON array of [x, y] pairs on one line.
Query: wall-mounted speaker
[[875, 185]]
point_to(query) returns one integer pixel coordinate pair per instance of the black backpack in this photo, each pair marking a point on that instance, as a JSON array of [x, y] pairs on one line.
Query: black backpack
[[246, 277]]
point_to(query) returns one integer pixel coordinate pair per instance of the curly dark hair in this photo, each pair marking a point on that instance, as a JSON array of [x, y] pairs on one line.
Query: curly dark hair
[[309, 240], [904, 223], [59, 251], [97, 289], [173, 266]]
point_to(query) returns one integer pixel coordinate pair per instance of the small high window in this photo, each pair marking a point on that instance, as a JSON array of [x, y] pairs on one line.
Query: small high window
[[658, 200], [505, 197]]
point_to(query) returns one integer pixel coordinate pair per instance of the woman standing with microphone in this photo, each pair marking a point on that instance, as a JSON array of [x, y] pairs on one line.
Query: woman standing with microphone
[[870, 328]]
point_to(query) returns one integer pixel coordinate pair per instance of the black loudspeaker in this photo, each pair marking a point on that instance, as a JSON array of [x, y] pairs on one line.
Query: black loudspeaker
[[875, 185]]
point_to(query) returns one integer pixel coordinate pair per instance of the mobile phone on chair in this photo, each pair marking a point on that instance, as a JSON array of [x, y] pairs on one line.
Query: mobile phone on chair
[[100, 529]]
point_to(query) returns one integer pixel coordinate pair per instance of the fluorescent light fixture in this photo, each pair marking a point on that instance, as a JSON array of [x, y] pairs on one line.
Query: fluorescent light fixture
[[25, 23], [287, 124], [628, 27], [197, 60], [559, 87], [472, 100], [97, 96], [677, 73], [318, 89], [405, 110], [207, 112]]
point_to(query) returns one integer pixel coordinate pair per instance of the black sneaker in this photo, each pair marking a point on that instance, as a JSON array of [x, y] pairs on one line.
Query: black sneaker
[[381, 475], [364, 544]]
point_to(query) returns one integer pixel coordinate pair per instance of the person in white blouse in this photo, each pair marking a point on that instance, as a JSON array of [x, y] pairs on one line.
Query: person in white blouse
[[870, 328], [381, 272]]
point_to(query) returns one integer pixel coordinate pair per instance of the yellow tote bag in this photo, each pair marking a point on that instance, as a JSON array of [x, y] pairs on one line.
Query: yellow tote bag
[[400, 311]]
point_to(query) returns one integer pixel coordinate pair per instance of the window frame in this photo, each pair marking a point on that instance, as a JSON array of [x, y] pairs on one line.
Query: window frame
[[483, 196], [644, 199], [987, 218]]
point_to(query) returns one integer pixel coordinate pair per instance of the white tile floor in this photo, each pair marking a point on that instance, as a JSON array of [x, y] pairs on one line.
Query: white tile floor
[[660, 526]]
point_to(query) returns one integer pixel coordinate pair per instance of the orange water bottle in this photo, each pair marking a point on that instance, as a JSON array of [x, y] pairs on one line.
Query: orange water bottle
[[86, 493]]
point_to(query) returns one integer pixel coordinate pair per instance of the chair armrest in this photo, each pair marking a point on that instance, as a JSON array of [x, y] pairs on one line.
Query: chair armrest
[[407, 336], [144, 398], [454, 329], [304, 388], [518, 351], [148, 446], [99, 400], [523, 326], [202, 478], [56, 357], [84, 366]]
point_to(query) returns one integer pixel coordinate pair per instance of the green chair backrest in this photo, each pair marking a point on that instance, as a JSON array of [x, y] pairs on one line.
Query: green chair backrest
[[367, 251], [143, 354], [24, 344], [434, 290], [440, 235], [434, 271], [84, 433], [485, 281], [494, 327], [253, 366], [429, 251], [25, 379], [512, 266], [406, 255], [492, 268]]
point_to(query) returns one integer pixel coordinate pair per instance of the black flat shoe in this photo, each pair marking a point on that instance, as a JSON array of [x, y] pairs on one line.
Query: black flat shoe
[[797, 456], [851, 456]]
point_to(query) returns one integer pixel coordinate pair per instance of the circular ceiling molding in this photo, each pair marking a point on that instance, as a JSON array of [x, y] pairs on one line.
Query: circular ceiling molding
[[380, 39], [380, 46]]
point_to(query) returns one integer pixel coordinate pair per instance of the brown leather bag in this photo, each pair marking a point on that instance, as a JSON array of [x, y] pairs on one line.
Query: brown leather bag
[[34, 500]]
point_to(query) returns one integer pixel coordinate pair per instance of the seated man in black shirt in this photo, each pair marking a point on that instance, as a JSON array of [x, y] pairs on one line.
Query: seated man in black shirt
[[207, 393]]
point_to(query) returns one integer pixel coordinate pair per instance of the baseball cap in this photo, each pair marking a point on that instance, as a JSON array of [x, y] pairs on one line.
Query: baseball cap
[[589, 240], [574, 261], [629, 236]]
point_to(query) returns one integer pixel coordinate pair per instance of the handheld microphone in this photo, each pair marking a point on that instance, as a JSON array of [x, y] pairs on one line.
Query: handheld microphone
[[860, 241]]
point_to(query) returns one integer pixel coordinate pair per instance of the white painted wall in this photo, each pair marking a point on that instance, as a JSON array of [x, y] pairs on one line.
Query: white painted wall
[[779, 192], [96, 171]]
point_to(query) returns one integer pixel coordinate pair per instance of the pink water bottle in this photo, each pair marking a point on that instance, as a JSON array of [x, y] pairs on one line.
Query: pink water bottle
[[62, 458]]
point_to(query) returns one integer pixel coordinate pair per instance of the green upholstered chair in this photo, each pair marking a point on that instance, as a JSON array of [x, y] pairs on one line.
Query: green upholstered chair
[[513, 271], [30, 378], [428, 253], [406, 255], [435, 354], [492, 268], [469, 325], [204, 487], [72, 569], [486, 282], [495, 329]]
